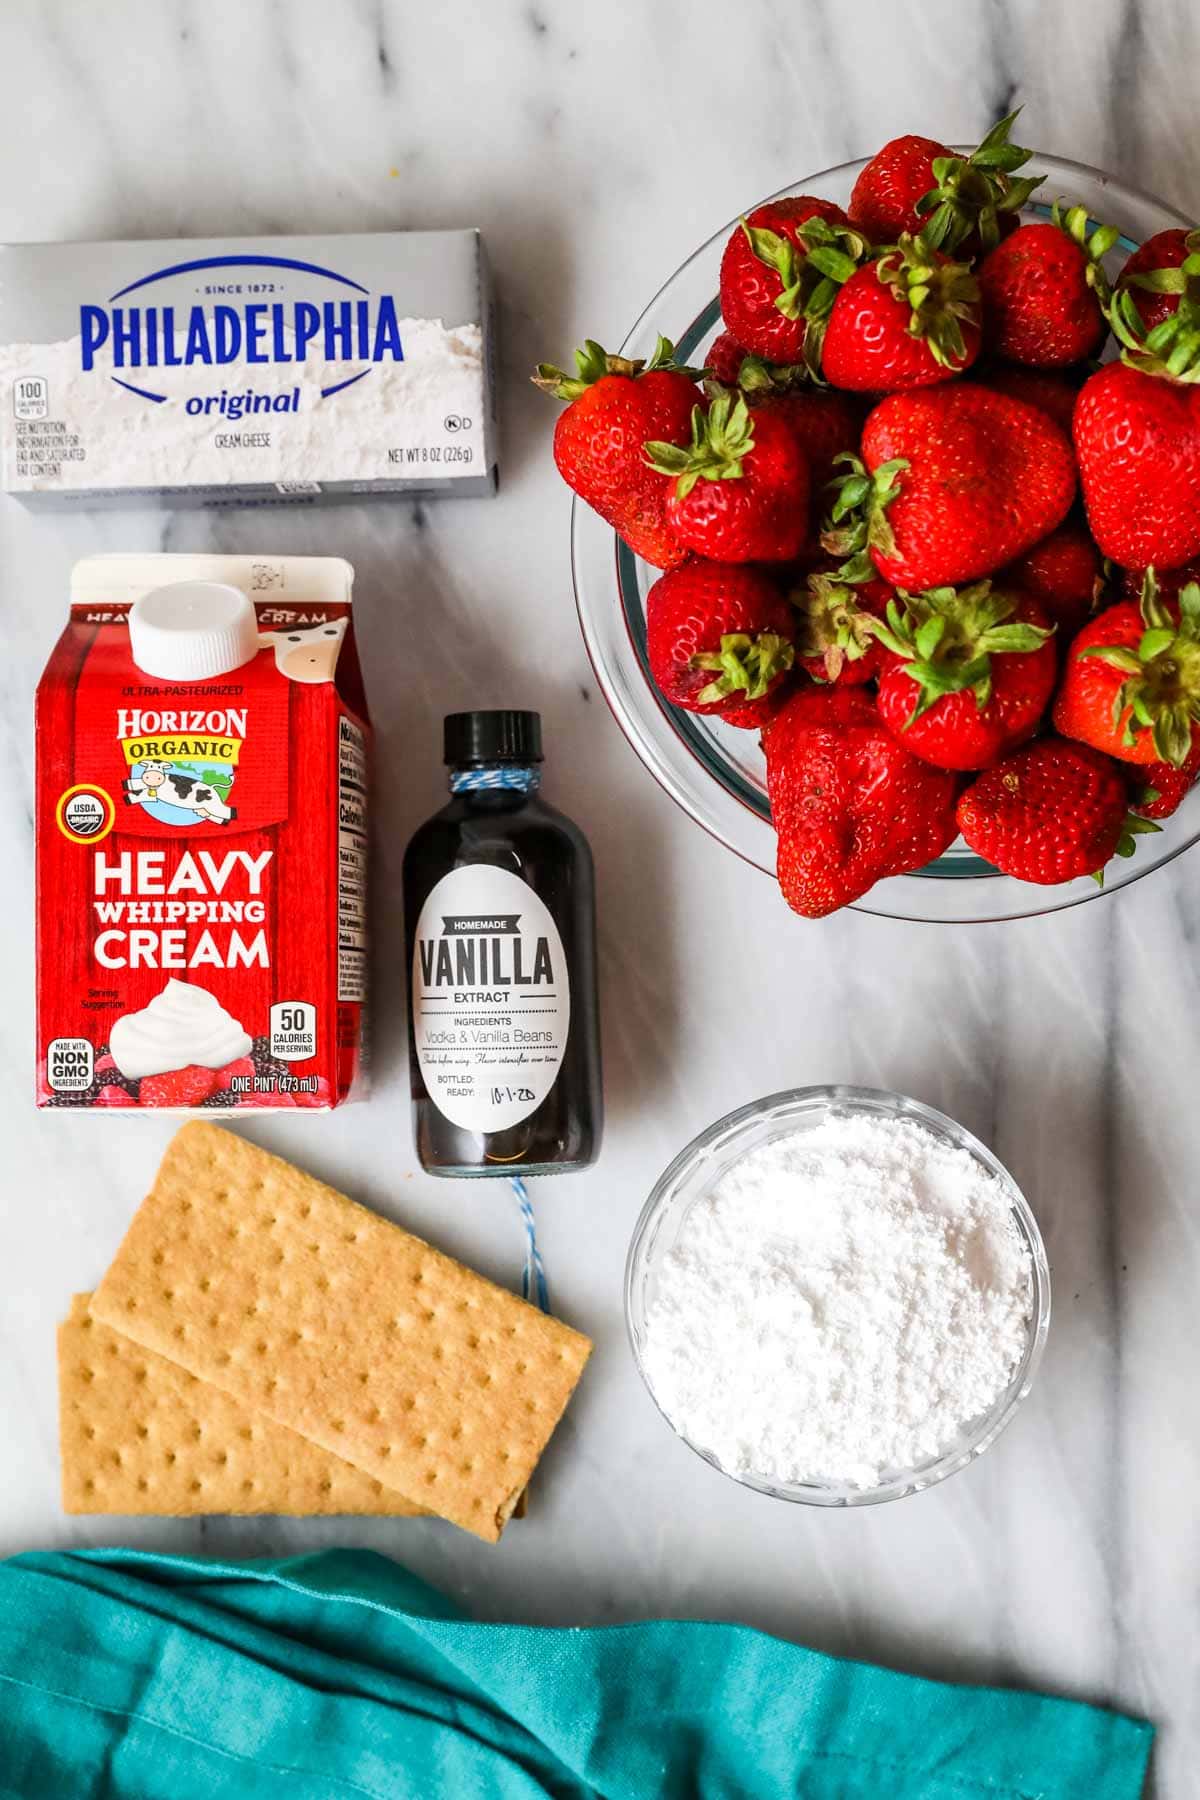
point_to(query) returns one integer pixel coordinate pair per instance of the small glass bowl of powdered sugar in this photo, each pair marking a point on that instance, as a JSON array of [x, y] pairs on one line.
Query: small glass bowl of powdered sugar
[[837, 1296]]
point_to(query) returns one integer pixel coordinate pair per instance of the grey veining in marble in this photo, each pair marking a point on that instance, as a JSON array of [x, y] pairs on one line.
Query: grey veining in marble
[[596, 146]]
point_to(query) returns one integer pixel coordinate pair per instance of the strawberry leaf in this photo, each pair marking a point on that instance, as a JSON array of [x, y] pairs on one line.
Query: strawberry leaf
[[858, 515], [593, 362], [1154, 642], [1116, 657], [1010, 639], [941, 296], [948, 637], [1074, 221], [744, 665], [778, 253], [971, 191], [722, 438], [929, 635]]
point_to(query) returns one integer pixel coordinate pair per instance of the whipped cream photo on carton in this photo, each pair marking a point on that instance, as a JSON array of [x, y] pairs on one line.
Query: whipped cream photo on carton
[[214, 370], [201, 826]]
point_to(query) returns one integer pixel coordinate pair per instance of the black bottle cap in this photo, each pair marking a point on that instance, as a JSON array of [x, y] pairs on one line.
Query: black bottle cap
[[492, 737]]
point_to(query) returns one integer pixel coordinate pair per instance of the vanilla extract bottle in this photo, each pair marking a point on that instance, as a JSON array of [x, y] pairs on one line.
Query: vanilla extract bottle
[[499, 898]]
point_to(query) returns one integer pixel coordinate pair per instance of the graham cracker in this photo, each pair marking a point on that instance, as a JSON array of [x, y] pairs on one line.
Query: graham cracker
[[338, 1325], [139, 1434]]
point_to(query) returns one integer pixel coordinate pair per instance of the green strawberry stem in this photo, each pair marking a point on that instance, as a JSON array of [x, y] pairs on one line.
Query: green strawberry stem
[[948, 636], [1074, 221], [1172, 348], [1161, 692], [834, 254], [858, 521], [941, 296], [810, 277], [744, 665], [779, 253], [830, 622], [722, 438], [593, 362], [972, 191], [1183, 279], [756, 376], [1131, 831]]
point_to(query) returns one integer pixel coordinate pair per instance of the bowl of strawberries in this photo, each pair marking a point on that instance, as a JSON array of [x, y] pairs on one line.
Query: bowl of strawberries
[[886, 541]]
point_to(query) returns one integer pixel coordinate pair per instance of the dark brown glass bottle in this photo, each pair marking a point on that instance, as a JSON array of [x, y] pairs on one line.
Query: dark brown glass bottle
[[499, 900]]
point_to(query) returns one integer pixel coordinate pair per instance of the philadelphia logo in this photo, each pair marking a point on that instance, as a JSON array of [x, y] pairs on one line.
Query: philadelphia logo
[[141, 336]]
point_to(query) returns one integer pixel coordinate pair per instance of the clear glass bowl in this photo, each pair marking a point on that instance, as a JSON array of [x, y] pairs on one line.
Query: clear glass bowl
[[692, 1176], [715, 772]]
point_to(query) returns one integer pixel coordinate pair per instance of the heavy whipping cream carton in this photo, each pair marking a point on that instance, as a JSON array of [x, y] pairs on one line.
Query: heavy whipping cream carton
[[232, 369], [202, 836]]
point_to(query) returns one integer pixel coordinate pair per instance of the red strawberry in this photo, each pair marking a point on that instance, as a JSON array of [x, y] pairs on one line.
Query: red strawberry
[[1131, 684], [767, 283], [178, 1087], [957, 481], [834, 639], [1054, 391], [1171, 583], [114, 1096], [1049, 813], [883, 203], [719, 639], [823, 423], [974, 673], [850, 804], [724, 359], [740, 490], [906, 320], [1159, 788], [614, 406], [1044, 289], [1064, 573], [917, 184], [1161, 271], [1137, 437]]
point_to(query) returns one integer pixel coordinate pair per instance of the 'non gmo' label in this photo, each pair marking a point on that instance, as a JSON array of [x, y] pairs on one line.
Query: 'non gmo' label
[[490, 998], [70, 1065]]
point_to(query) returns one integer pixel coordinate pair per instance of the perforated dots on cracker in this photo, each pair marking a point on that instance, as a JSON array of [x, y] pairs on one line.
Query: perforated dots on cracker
[[341, 1327], [138, 1434]]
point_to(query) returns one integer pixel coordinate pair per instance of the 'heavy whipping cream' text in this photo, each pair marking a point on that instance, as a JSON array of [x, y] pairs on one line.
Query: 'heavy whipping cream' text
[[151, 924]]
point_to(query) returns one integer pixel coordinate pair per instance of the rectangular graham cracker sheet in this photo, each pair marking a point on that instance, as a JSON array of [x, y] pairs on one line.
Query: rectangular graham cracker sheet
[[338, 1325], [138, 1434]]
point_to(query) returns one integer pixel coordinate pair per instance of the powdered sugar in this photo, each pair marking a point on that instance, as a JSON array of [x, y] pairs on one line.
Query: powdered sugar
[[841, 1303]]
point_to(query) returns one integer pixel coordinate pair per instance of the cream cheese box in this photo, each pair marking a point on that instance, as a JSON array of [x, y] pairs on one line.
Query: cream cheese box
[[206, 371]]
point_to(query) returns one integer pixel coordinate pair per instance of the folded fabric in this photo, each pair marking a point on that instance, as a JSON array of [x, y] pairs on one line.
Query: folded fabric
[[127, 1674]]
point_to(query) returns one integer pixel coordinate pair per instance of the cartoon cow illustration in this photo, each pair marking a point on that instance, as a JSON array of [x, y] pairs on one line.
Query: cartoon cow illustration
[[308, 652], [156, 782]]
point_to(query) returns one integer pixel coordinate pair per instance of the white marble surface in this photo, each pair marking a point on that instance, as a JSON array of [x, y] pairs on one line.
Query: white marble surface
[[596, 146]]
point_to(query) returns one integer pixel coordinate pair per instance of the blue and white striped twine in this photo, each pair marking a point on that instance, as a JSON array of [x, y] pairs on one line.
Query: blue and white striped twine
[[533, 1277], [525, 777]]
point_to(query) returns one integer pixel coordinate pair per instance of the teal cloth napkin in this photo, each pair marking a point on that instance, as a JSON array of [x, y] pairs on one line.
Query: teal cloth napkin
[[142, 1676]]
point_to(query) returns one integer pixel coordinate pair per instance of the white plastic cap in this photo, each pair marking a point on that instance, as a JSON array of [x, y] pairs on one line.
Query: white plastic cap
[[192, 629]]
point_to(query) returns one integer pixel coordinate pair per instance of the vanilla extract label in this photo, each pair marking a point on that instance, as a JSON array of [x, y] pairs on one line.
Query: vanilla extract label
[[483, 953], [491, 1002]]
